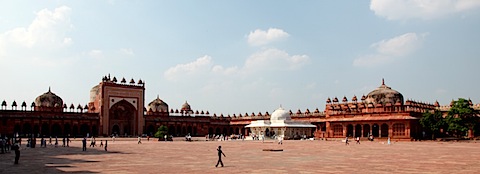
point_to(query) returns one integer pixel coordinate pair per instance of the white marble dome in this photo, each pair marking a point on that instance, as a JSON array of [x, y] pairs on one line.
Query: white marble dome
[[280, 114]]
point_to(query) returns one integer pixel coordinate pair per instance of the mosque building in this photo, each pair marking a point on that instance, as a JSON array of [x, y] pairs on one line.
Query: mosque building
[[118, 108]]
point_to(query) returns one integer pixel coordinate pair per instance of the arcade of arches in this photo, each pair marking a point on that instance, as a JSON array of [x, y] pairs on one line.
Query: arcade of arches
[[118, 108]]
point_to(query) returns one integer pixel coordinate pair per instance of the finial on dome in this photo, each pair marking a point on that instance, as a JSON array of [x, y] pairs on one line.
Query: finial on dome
[[158, 96], [383, 81], [49, 89]]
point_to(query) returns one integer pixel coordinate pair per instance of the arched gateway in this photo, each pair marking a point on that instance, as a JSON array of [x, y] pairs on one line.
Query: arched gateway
[[122, 115]]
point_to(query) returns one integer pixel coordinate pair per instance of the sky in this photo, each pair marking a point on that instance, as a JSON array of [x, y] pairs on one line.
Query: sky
[[244, 56]]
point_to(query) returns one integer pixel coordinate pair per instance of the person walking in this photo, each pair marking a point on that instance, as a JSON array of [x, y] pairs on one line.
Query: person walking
[[84, 144], [56, 141], [220, 153], [106, 145], [139, 140], [358, 140], [16, 147], [101, 143], [63, 142], [346, 141]]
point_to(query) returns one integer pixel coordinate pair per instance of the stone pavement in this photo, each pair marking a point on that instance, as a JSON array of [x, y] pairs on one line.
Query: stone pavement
[[126, 156]]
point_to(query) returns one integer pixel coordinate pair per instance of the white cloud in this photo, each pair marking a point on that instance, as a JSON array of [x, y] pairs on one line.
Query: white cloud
[[202, 64], [274, 59], [266, 60], [423, 9], [48, 28], [389, 50], [96, 53], [260, 37], [42, 39], [127, 51]]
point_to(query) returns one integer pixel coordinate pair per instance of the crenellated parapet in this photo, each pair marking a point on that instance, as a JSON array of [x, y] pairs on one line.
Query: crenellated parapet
[[108, 80]]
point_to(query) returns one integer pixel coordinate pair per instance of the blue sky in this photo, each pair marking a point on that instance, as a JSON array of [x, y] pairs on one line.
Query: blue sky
[[238, 57]]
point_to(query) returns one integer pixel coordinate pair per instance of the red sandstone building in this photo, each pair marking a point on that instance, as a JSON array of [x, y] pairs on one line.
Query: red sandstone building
[[119, 108]]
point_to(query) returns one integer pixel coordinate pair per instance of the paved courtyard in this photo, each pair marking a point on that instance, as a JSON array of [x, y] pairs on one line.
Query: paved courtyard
[[126, 156]]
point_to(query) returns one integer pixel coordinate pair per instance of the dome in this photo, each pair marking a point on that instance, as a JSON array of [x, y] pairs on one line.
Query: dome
[[94, 93], [186, 107], [158, 105], [280, 114], [383, 95], [48, 99]]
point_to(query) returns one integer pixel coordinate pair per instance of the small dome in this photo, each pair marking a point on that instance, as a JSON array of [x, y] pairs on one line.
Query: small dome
[[48, 99], [157, 105], [280, 114], [94, 93], [383, 95], [186, 107]]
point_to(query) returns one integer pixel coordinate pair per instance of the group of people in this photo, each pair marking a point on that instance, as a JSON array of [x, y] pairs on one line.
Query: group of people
[[7, 144], [93, 143]]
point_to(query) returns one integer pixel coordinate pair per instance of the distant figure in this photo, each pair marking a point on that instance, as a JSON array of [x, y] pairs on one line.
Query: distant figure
[[68, 141], [148, 138], [165, 137], [280, 139], [101, 143], [113, 138], [56, 141], [388, 141], [139, 140], [50, 140], [106, 145], [346, 141], [358, 140], [41, 142], [84, 144], [63, 142], [16, 147], [220, 153]]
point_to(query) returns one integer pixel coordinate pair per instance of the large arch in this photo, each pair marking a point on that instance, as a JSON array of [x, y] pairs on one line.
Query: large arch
[[151, 130], [115, 130], [384, 130], [17, 129], [67, 130], [75, 131], [349, 130], [123, 114], [45, 129], [36, 129], [84, 129], [375, 129], [225, 131], [210, 131], [56, 130], [171, 130], [358, 130], [27, 128], [189, 130], [366, 130]]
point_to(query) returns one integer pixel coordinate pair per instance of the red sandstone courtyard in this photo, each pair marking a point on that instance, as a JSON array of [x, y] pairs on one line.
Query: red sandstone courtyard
[[126, 156]]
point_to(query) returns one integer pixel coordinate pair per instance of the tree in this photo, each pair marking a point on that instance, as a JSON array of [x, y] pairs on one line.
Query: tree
[[433, 122], [161, 132], [461, 118]]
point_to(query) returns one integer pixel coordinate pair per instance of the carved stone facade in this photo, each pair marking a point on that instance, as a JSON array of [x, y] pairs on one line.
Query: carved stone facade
[[118, 108]]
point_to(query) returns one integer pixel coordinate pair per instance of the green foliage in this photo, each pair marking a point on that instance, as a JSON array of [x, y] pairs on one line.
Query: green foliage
[[461, 117], [161, 132], [433, 122]]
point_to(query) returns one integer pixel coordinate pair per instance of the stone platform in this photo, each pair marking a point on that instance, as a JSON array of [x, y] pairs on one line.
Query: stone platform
[[126, 156]]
